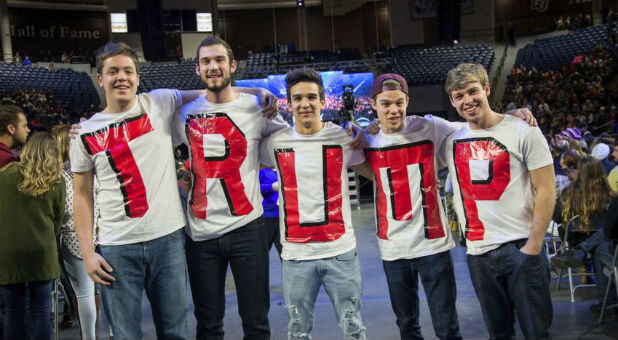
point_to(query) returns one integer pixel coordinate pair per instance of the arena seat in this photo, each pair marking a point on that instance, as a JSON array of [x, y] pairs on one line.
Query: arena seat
[[555, 52], [178, 75], [429, 65], [66, 84]]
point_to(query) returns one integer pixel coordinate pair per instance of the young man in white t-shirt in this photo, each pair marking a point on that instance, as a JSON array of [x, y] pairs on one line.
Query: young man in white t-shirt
[[128, 147], [223, 130], [413, 235], [319, 247], [504, 195]]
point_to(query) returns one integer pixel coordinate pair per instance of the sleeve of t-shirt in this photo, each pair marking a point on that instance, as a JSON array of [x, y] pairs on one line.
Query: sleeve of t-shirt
[[443, 129], [535, 150], [443, 151], [81, 161], [167, 101], [356, 156], [273, 125], [264, 156]]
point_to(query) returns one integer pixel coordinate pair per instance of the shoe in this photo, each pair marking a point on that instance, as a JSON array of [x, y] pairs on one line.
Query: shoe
[[609, 309], [568, 259]]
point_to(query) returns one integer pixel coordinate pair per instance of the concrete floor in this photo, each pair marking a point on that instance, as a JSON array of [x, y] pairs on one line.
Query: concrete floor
[[571, 320]]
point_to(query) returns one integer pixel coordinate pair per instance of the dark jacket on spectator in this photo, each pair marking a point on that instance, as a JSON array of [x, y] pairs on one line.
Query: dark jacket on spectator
[[28, 229]]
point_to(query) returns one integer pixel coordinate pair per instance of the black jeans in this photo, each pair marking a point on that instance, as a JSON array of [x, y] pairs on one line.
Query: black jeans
[[438, 279], [245, 249], [509, 283], [272, 233]]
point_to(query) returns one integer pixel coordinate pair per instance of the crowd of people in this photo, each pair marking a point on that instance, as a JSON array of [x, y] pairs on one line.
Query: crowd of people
[[42, 109], [138, 223], [581, 20], [576, 108]]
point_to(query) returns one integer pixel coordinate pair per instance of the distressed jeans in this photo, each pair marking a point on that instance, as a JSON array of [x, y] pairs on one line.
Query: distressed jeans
[[341, 278]]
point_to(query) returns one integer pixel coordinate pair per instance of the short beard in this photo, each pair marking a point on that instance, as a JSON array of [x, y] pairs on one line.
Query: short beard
[[224, 83]]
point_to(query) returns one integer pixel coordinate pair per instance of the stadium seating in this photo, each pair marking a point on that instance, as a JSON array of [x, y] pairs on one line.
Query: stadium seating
[[429, 65], [66, 84], [179, 75], [555, 52], [260, 65]]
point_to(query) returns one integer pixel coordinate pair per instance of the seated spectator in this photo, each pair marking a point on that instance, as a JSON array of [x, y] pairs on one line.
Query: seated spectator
[[602, 258], [568, 164], [32, 202], [27, 61], [601, 152], [587, 197]]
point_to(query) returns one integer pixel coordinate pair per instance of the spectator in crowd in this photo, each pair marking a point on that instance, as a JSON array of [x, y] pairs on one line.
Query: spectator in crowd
[[32, 202], [588, 197], [65, 59], [27, 61], [602, 259], [601, 152], [269, 188], [13, 132], [568, 164], [17, 59], [69, 245]]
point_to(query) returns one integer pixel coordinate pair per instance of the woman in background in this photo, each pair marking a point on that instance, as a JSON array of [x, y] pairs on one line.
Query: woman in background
[[69, 246], [32, 199]]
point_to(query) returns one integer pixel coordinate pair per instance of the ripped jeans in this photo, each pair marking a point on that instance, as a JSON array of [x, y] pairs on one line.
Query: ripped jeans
[[341, 278]]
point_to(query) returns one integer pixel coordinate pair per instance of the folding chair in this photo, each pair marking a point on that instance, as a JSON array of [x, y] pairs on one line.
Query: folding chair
[[612, 273], [564, 248]]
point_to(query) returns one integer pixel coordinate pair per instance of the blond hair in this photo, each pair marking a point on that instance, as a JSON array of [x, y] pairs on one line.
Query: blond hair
[[61, 134], [464, 74], [40, 164]]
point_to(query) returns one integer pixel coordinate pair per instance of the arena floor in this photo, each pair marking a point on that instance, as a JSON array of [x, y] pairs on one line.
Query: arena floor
[[571, 320]]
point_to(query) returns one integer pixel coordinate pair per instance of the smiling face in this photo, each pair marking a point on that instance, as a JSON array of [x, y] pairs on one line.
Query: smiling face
[[306, 105], [215, 68], [119, 79], [471, 102], [391, 109]]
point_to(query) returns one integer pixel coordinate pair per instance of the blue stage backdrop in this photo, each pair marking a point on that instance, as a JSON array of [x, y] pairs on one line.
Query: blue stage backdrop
[[334, 81]]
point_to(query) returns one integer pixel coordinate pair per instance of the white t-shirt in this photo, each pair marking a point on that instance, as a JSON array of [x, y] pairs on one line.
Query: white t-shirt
[[314, 201], [223, 142], [493, 194], [131, 154], [409, 214]]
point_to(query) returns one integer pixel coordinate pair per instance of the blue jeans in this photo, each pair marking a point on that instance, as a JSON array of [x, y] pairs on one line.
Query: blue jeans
[[602, 258], [341, 278], [509, 283], [14, 298], [438, 279], [157, 266], [245, 249]]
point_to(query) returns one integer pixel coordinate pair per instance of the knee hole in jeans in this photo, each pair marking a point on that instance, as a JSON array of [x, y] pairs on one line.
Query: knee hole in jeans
[[353, 327], [295, 330]]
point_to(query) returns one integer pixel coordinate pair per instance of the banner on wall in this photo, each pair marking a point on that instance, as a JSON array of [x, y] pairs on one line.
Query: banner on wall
[[45, 34], [423, 9]]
